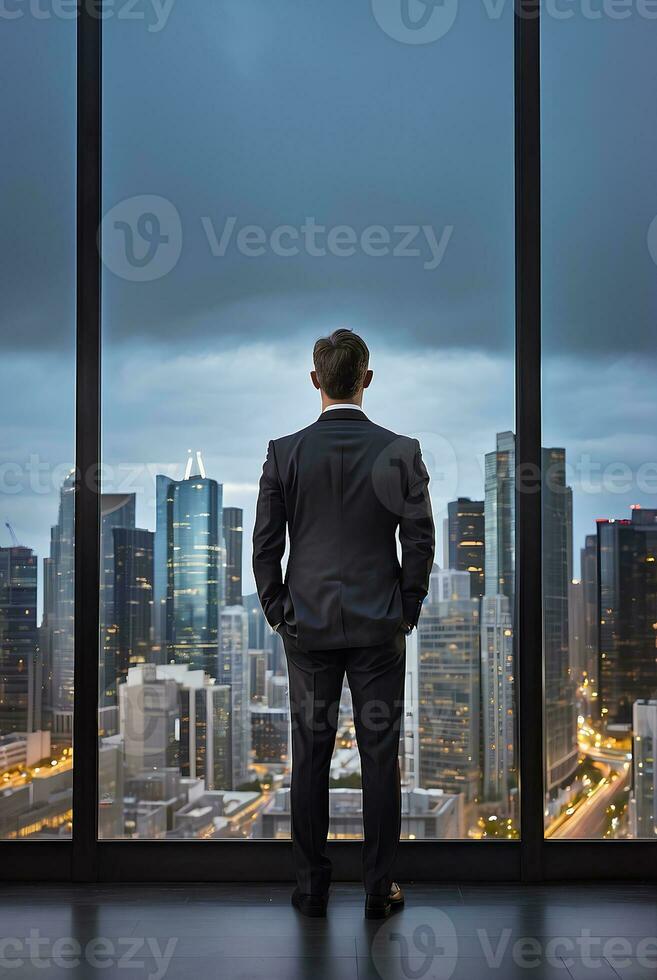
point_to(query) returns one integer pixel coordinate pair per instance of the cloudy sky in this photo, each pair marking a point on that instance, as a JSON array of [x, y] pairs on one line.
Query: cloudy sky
[[257, 114]]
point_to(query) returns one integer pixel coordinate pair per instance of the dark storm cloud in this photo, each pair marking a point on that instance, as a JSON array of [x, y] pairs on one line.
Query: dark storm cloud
[[272, 113], [37, 184], [599, 154], [309, 110]]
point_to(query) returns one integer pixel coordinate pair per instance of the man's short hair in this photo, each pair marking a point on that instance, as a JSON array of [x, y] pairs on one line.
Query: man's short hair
[[341, 362]]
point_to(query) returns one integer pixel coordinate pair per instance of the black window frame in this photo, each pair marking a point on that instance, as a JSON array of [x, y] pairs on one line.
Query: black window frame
[[84, 858]]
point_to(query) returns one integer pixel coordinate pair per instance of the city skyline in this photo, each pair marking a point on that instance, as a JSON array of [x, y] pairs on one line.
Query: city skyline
[[462, 659], [215, 355]]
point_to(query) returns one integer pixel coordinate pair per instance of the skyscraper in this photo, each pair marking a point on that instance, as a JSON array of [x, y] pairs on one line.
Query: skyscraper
[[234, 672], [174, 717], [499, 519], [577, 631], [560, 695], [56, 635], [116, 510], [448, 692], [589, 577], [161, 564], [498, 690], [446, 584], [409, 743], [110, 788], [497, 699], [627, 570], [270, 735], [18, 639], [643, 803], [258, 628], [149, 709], [189, 518], [233, 518], [465, 530], [205, 726], [133, 597], [560, 704]]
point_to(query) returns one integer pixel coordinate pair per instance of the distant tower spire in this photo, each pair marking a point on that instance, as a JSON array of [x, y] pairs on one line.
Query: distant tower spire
[[195, 466]]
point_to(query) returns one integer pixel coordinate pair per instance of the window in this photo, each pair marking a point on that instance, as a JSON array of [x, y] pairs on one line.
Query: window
[[270, 174], [37, 393], [599, 517], [300, 170]]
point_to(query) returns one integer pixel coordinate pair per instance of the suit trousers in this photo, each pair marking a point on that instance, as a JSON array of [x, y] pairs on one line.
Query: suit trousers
[[376, 678]]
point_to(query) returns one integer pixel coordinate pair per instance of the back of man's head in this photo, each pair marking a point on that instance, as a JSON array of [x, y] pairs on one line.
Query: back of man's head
[[341, 363]]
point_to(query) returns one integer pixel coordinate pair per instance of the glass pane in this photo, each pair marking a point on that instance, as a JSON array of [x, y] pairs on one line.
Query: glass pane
[[37, 396], [600, 516], [305, 166]]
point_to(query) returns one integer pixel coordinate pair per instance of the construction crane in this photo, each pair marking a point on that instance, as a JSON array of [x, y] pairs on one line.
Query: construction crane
[[14, 540]]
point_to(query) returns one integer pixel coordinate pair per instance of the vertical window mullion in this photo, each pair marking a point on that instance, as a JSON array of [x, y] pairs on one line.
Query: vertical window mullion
[[528, 633], [87, 500]]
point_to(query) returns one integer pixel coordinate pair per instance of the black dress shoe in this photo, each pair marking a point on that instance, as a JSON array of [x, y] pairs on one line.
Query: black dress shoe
[[380, 906], [314, 906]]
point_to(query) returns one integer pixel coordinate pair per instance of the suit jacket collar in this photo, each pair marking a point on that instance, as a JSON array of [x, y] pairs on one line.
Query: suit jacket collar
[[343, 413]]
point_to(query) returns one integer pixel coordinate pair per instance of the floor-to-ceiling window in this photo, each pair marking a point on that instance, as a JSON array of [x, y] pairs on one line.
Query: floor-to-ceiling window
[[599, 149], [271, 173], [37, 449]]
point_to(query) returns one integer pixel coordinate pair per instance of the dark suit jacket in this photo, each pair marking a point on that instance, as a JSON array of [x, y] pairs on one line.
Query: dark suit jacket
[[342, 487]]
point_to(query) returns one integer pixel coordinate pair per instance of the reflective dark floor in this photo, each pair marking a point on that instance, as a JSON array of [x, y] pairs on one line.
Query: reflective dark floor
[[247, 931]]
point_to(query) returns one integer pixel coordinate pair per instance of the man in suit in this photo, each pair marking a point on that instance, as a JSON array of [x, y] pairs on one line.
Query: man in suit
[[343, 487]]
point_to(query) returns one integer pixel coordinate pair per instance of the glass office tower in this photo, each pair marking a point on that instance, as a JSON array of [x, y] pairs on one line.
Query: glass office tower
[[233, 519], [448, 687], [643, 802], [56, 633], [498, 696], [189, 518], [133, 597], [18, 639], [627, 565], [560, 698], [499, 519], [589, 577], [117, 510], [560, 703], [466, 550]]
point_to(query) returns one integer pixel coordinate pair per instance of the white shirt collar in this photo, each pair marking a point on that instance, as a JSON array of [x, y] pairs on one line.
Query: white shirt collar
[[329, 408]]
